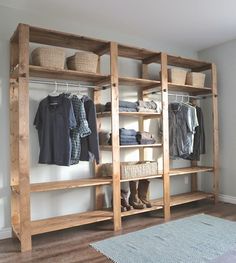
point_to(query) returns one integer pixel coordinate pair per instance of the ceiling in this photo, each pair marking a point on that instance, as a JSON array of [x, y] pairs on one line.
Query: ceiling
[[195, 24]]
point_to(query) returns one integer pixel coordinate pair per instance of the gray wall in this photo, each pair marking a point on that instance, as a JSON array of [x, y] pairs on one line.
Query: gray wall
[[224, 56], [59, 202]]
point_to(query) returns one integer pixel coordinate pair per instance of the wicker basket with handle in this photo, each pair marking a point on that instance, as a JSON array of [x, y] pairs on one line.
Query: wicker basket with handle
[[177, 76], [83, 61], [131, 170], [49, 57], [196, 79]]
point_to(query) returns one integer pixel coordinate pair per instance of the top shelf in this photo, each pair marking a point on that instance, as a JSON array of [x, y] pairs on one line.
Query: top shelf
[[100, 47]]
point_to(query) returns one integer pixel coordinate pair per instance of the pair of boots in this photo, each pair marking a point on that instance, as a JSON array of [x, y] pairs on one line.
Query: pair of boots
[[138, 196]]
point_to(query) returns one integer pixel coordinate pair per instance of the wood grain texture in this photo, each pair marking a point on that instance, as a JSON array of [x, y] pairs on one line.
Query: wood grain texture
[[165, 136], [23, 111], [137, 146], [99, 195], [115, 135], [215, 119], [145, 115]]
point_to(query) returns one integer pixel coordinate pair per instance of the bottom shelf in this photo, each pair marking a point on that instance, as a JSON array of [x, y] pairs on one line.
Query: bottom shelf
[[67, 221]]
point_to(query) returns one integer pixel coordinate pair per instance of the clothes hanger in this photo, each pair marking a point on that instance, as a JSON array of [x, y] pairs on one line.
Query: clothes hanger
[[55, 91]]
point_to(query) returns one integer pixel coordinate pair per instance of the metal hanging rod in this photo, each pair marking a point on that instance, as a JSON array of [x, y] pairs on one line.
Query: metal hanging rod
[[66, 84], [182, 95]]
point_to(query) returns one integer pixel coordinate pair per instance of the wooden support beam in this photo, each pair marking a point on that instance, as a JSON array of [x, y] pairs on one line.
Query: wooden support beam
[[166, 178], [215, 132], [23, 111], [99, 196], [152, 59], [115, 135], [103, 50]]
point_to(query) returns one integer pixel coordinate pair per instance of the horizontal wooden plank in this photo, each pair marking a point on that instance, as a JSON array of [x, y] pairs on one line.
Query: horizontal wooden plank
[[67, 221], [159, 175], [146, 115], [188, 88], [141, 83], [187, 63], [66, 184], [135, 52], [66, 40], [65, 74], [189, 197], [137, 146], [174, 200], [156, 206], [190, 170]]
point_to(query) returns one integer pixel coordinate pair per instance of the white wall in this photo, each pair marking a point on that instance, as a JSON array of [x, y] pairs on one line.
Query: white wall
[[224, 56], [60, 202]]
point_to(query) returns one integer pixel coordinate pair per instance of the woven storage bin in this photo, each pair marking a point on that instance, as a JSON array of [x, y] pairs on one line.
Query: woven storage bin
[[49, 57], [138, 169], [83, 61], [196, 79], [177, 76]]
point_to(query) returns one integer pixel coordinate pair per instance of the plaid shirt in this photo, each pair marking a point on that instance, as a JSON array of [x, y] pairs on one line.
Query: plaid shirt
[[82, 129]]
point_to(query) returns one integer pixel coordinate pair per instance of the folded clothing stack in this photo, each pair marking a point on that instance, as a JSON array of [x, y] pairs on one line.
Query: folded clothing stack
[[145, 138], [149, 106], [128, 136], [124, 106]]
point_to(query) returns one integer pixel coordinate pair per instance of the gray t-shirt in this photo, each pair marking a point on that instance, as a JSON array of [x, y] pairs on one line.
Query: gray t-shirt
[[53, 120]]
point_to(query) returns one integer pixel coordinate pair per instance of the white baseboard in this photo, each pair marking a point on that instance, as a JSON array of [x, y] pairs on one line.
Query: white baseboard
[[227, 199], [5, 233]]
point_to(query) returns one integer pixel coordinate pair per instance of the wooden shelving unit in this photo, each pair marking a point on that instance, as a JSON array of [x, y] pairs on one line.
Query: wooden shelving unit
[[20, 72]]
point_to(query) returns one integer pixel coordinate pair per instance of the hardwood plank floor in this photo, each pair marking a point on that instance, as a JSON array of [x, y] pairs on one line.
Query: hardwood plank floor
[[72, 245]]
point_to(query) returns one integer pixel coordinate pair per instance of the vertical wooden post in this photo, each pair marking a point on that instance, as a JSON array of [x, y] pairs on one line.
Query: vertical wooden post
[[215, 132], [98, 189], [115, 135], [165, 140], [23, 111], [14, 124]]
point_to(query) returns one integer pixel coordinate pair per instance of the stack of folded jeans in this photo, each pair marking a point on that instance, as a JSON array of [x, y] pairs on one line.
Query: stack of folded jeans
[[148, 106], [145, 138], [124, 106], [128, 137]]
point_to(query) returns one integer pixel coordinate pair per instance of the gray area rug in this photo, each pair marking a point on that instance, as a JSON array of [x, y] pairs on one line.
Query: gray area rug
[[195, 239]]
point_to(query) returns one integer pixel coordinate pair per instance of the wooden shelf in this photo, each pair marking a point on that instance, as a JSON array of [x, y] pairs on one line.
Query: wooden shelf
[[189, 197], [66, 40], [158, 175], [142, 83], [193, 64], [65, 74], [137, 146], [67, 221], [155, 206], [145, 115], [66, 184], [188, 88], [190, 170]]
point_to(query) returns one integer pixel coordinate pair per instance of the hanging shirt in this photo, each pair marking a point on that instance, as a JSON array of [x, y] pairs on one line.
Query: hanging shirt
[[53, 120], [80, 131], [182, 124], [89, 144]]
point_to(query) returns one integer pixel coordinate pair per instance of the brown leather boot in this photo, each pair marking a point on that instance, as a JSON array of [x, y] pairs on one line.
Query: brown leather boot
[[133, 199], [142, 192], [124, 200]]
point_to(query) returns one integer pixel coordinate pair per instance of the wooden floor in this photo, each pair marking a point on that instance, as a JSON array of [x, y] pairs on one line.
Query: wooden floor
[[72, 245]]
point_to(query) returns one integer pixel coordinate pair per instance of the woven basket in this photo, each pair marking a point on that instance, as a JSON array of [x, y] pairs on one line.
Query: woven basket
[[177, 76], [138, 169], [49, 57], [83, 61], [196, 79], [130, 170]]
